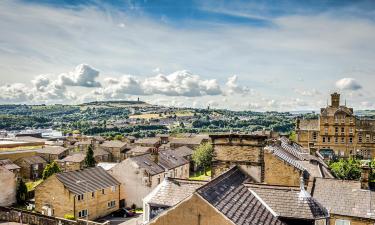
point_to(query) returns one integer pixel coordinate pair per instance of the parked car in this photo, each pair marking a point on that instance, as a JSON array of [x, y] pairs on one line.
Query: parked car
[[123, 212]]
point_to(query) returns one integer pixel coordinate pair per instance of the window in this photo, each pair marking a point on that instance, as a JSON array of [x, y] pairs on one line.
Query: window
[[329, 139], [36, 166], [336, 130], [367, 138], [342, 222], [113, 188], [82, 213], [324, 139], [336, 140], [111, 204], [314, 136], [350, 140], [350, 130], [326, 130], [359, 138], [342, 140], [92, 194], [80, 197], [342, 130], [103, 191]]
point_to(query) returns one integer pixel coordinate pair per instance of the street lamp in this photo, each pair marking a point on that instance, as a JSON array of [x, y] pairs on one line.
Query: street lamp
[[87, 207]]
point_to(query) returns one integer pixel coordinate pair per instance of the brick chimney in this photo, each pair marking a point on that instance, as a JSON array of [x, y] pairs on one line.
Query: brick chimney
[[365, 175], [155, 154]]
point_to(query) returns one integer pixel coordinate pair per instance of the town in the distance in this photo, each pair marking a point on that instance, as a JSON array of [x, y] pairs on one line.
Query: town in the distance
[[132, 163]]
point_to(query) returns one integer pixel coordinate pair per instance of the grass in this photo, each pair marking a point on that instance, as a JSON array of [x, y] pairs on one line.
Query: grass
[[31, 185], [199, 175]]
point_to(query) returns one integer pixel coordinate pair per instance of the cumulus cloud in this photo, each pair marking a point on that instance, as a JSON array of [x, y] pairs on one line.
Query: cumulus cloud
[[83, 75], [309, 93], [233, 88], [16, 92], [348, 84]]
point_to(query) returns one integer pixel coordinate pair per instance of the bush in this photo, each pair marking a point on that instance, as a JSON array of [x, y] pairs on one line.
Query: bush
[[69, 217]]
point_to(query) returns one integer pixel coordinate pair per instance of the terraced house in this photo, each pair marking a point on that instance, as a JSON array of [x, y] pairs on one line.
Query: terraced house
[[337, 131], [91, 193]]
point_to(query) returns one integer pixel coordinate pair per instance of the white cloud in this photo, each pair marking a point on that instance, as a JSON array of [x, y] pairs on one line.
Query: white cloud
[[310, 93], [17, 92], [348, 84], [233, 88], [83, 75]]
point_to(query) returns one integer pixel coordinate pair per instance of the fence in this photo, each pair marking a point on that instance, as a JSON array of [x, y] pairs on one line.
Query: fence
[[26, 217]]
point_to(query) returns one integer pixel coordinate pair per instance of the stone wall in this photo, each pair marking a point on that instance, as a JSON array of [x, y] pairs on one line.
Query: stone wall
[[192, 211], [353, 220], [243, 150], [17, 215], [7, 187]]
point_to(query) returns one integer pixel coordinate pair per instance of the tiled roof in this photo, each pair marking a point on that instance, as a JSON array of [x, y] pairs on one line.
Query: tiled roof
[[285, 201], [139, 149], [87, 180], [7, 164], [106, 165], [53, 150], [235, 201], [152, 141], [192, 141], [166, 161], [343, 197], [172, 191], [33, 160], [285, 156], [100, 151], [183, 151], [77, 157], [113, 144]]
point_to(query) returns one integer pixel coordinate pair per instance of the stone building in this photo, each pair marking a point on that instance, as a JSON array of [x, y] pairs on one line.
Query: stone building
[[92, 192], [139, 175], [51, 153], [31, 167], [337, 131], [115, 148], [8, 182], [9, 165], [230, 200]]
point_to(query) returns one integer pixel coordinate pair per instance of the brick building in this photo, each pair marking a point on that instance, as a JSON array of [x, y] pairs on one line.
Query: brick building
[[337, 131]]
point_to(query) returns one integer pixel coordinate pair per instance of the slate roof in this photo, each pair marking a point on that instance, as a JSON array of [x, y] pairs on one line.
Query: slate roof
[[8, 164], [97, 178], [187, 141], [285, 156], [100, 151], [285, 201], [183, 151], [235, 201], [139, 149], [113, 144], [33, 160], [166, 161], [172, 191], [107, 165], [77, 157], [53, 150], [152, 141], [346, 198]]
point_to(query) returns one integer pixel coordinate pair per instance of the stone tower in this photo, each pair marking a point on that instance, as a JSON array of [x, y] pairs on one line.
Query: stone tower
[[335, 100]]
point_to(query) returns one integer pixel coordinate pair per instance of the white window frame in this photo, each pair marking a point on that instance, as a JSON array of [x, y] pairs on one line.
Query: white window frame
[[342, 222]]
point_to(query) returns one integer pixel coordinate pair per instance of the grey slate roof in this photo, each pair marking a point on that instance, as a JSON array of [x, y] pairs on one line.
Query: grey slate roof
[[152, 141], [76, 157], [343, 197], [183, 151], [229, 196], [53, 150], [33, 160], [286, 203], [97, 178], [9, 165], [113, 144], [172, 191], [100, 151], [139, 149], [145, 161], [285, 156]]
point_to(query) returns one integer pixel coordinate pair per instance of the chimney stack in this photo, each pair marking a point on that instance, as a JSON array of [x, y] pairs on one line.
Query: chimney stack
[[155, 154], [335, 100], [365, 175]]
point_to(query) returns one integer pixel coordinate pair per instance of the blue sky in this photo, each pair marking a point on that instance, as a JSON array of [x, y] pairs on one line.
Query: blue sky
[[252, 55]]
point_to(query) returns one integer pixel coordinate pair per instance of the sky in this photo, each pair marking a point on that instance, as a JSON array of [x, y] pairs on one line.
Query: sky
[[241, 55]]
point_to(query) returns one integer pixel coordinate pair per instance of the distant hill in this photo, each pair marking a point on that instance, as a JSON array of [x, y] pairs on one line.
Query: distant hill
[[111, 104]]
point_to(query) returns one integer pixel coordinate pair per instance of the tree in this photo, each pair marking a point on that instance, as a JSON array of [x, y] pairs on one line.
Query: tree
[[346, 169], [21, 192], [51, 169], [202, 156], [118, 137], [89, 159]]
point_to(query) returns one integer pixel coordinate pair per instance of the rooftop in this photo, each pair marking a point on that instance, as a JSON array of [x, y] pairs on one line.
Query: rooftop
[[87, 180], [113, 144], [54, 150]]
